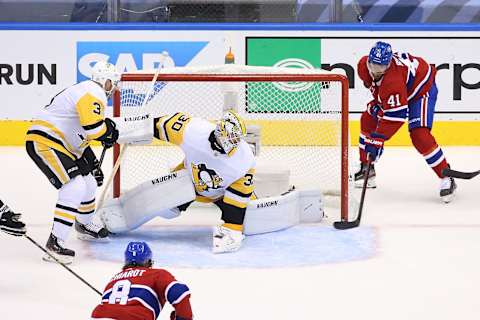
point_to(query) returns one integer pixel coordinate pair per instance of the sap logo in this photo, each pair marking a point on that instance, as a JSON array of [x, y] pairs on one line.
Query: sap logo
[[132, 56]]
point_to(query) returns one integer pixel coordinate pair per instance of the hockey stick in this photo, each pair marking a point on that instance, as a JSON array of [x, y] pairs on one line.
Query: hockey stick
[[460, 174], [102, 156], [343, 225], [63, 265], [122, 150]]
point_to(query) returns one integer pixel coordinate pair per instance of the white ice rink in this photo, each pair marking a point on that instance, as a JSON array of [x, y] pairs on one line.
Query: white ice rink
[[425, 264]]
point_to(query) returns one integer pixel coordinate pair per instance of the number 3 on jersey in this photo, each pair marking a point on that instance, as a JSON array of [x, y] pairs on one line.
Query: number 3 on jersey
[[120, 291]]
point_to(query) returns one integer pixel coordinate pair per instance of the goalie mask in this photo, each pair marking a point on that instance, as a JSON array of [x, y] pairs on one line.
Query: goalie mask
[[104, 71], [229, 132]]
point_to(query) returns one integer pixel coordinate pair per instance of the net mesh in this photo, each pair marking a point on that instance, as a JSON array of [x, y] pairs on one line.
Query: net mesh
[[300, 123]]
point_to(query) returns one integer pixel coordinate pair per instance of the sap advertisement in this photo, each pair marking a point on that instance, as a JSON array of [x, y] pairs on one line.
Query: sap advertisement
[[37, 64]]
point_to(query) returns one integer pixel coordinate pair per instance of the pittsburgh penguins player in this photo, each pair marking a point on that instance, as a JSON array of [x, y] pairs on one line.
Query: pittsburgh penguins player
[[219, 167], [58, 142], [10, 221]]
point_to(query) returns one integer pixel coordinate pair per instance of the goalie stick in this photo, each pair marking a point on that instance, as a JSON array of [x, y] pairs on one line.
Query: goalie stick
[[460, 174], [62, 264], [343, 225]]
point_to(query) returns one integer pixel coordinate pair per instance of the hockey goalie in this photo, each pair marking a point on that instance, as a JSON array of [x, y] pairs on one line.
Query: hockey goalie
[[218, 167]]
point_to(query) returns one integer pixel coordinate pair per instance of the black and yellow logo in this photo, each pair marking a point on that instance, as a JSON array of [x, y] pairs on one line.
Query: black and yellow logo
[[204, 178]]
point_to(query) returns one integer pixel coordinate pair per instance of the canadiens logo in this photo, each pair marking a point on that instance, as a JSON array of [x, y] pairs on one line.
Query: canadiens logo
[[205, 178]]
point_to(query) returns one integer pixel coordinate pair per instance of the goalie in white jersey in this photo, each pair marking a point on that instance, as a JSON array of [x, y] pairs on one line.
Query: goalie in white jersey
[[59, 143], [221, 166]]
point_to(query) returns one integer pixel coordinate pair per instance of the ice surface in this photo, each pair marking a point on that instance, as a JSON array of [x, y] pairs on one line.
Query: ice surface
[[421, 259]]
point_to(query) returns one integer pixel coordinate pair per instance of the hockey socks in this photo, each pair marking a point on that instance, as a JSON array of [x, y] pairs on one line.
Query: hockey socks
[[425, 144], [85, 212]]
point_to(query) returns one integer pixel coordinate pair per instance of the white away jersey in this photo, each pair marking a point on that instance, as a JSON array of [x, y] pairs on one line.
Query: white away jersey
[[213, 174], [72, 119]]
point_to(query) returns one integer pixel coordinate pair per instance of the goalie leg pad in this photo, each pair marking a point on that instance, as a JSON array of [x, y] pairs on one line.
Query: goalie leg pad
[[148, 200], [282, 212]]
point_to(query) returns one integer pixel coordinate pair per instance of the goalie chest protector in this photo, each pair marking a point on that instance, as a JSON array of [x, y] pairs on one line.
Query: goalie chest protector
[[210, 171]]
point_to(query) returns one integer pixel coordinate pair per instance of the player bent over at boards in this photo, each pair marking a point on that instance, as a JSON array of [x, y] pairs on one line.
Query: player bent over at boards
[[140, 291], [58, 142], [10, 221], [218, 167], [403, 87]]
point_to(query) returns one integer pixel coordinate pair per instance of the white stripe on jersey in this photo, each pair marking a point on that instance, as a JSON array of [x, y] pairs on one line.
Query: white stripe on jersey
[[415, 91]]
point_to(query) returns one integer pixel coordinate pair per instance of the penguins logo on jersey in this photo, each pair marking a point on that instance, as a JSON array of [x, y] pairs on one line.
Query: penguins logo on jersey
[[205, 178]]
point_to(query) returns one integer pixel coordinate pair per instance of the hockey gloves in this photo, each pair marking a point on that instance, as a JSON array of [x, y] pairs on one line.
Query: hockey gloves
[[88, 163], [111, 135], [374, 146], [374, 109], [98, 174]]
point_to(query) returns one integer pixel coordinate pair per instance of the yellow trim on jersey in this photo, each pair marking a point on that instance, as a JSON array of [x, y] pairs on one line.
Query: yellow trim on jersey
[[234, 203], [245, 184], [47, 142], [51, 158], [54, 129], [233, 226], [64, 215], [90, 110], [172, 128], [179, 166]]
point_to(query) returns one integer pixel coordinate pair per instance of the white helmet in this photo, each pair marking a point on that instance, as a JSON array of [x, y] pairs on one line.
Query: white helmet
[[229, 131], [104, 71]]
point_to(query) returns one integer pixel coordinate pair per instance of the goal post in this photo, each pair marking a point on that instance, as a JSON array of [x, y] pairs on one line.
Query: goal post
[[302, 116]]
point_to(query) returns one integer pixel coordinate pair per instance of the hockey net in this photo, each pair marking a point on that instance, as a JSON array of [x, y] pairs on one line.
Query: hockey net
[[301, 117]]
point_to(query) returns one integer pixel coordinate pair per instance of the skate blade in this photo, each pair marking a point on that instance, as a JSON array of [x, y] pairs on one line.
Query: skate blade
[[371, 184], [448, 198], [86, 237], [62, 259]]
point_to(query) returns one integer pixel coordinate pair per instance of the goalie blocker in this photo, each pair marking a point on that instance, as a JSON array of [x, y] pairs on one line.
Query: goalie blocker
[[154, 198]]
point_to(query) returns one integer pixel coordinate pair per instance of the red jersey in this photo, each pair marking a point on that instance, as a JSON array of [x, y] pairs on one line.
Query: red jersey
[[406, 79], [140, 293]]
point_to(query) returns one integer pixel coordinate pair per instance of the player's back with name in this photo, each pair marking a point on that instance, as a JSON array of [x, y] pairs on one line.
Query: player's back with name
[[135, 293]]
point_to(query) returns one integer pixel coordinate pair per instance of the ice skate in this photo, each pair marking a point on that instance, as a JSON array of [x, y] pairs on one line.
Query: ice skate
[[94, 231], [226, 239], [56, 248], [447, 189], [358, 177]]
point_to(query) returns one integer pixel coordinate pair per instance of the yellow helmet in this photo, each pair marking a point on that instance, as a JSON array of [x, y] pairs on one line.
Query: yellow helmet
[[229, 131]]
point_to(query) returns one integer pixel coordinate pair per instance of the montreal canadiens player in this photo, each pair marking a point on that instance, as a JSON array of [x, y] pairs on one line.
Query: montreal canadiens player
[[403, 87], [139, 291]]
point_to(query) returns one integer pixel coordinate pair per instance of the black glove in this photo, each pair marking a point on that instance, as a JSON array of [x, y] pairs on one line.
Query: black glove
[[98, 174], [111, 135], [89, 160]]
